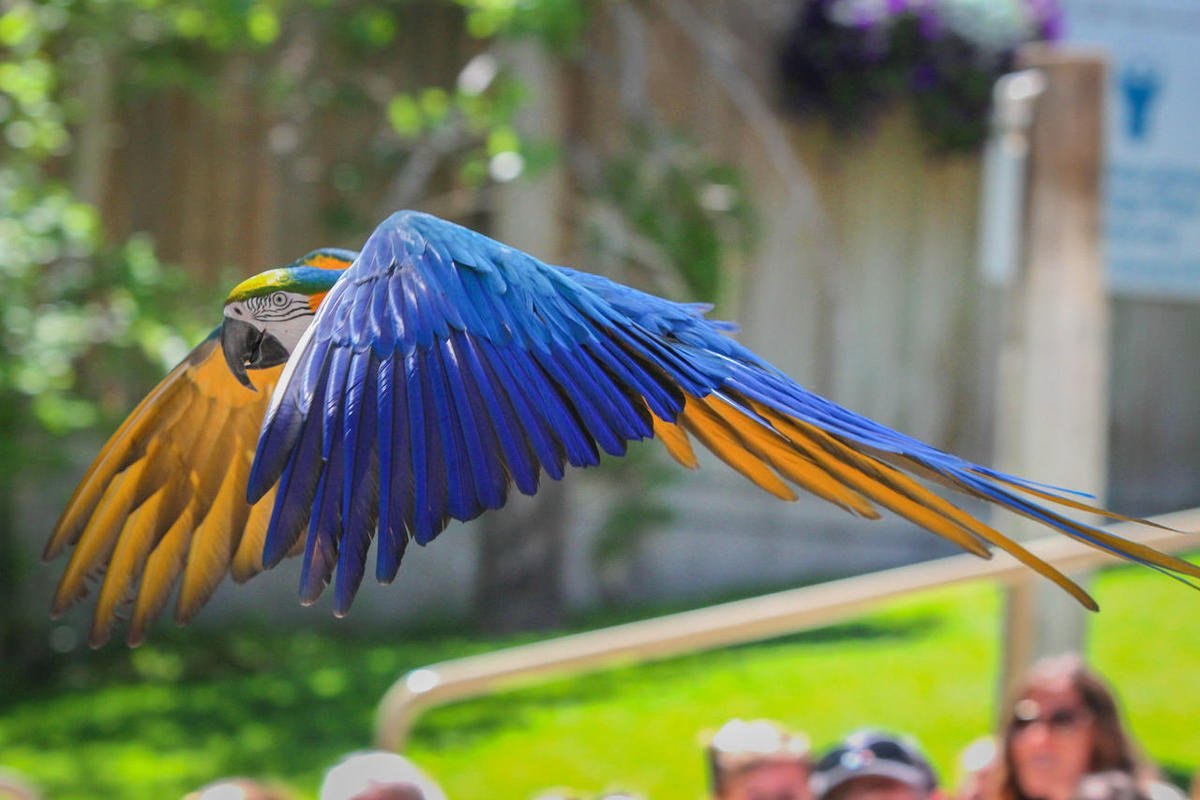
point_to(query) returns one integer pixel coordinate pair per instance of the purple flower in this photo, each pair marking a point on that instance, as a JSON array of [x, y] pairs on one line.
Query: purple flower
[[929, 23], [851, 57], [1047, 18], [924, 77]]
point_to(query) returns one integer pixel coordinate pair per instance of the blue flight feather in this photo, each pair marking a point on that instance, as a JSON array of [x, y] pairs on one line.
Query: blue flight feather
[[564, 421], [382, 328], [549, 449], [339, 366], [459, 480], [360, 483], [591, 414], [298, 482], [420, 432], [474, 422], [607, 411], [396, 309], [324, 527], [490, 398], [663, 398], [395, 473]]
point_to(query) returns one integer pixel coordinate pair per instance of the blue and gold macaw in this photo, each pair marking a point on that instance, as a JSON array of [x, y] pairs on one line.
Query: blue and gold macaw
[[418, 381]]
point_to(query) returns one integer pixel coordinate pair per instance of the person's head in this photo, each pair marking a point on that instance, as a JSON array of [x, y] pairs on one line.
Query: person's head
[[758, 760], [238, 789], [14, 786], [378, 775], [1061, 724], [977, 769], [872, 765], [1109, 785]]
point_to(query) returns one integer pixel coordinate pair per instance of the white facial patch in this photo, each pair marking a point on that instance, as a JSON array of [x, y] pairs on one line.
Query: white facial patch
[[284, 315]]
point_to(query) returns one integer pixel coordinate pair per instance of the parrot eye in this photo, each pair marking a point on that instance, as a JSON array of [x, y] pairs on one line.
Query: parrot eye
[[279, 299]]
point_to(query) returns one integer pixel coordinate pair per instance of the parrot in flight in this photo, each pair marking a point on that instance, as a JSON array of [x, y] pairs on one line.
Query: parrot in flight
[[374, 396]]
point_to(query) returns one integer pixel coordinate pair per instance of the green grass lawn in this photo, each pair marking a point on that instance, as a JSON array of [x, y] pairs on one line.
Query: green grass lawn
[[191, 706]]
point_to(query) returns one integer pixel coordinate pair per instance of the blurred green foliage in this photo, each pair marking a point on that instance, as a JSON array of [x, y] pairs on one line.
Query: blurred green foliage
[[692, 206], [188, 708], [634, 508], [75, 304], [70, 297], [472, 122], [557, 23]]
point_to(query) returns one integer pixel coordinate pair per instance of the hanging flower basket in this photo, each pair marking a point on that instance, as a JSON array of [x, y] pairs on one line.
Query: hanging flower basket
[[846, 60]]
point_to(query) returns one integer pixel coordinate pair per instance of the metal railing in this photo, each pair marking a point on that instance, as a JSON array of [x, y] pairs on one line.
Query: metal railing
[[737, 622]]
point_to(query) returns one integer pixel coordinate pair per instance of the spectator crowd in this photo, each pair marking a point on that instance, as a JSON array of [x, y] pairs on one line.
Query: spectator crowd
[[1060, 737]]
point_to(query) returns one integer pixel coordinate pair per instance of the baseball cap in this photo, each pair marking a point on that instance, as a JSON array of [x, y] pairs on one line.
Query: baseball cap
[[876, 754], [741, 745], [378, 775]]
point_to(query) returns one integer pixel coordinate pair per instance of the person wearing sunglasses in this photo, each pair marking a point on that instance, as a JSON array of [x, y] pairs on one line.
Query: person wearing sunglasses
[[1060, 725], [873, 765], [758, 760]]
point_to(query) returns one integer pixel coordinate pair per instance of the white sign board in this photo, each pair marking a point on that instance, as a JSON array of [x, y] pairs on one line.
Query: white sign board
[[1153, 172]]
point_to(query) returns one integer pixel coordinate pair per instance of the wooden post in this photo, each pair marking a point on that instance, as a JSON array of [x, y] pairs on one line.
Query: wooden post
[[1053, 390], [519, 585]]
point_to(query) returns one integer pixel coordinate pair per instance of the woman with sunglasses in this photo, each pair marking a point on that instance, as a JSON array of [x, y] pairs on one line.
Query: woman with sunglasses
[[1061, 725]]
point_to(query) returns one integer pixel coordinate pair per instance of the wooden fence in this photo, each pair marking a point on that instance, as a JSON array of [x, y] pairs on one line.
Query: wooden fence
[[865, 282]]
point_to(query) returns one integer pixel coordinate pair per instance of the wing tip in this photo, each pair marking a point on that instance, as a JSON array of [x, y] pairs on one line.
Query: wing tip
[[135, 636], [54, 546], [99, 634], [66, 597]]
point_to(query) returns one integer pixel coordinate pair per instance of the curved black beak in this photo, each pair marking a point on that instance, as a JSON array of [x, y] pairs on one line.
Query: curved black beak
[[246, 346]]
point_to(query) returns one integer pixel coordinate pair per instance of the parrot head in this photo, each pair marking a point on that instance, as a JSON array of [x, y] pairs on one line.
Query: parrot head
[[266, 315]]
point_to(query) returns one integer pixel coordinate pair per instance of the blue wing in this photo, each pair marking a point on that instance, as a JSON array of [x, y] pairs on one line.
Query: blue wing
[[444, 368]]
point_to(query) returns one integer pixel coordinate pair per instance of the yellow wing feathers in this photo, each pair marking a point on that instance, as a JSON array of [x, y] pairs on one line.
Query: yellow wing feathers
[[164, 502], [772, 449]]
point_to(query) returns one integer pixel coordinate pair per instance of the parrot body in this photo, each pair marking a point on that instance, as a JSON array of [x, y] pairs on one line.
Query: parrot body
[[420, 380]]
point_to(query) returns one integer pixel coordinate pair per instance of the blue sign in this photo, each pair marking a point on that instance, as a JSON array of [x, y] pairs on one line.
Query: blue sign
[[1153, 138]]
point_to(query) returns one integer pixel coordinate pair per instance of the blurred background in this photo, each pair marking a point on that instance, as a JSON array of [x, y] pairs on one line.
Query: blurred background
[[815, 169]]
